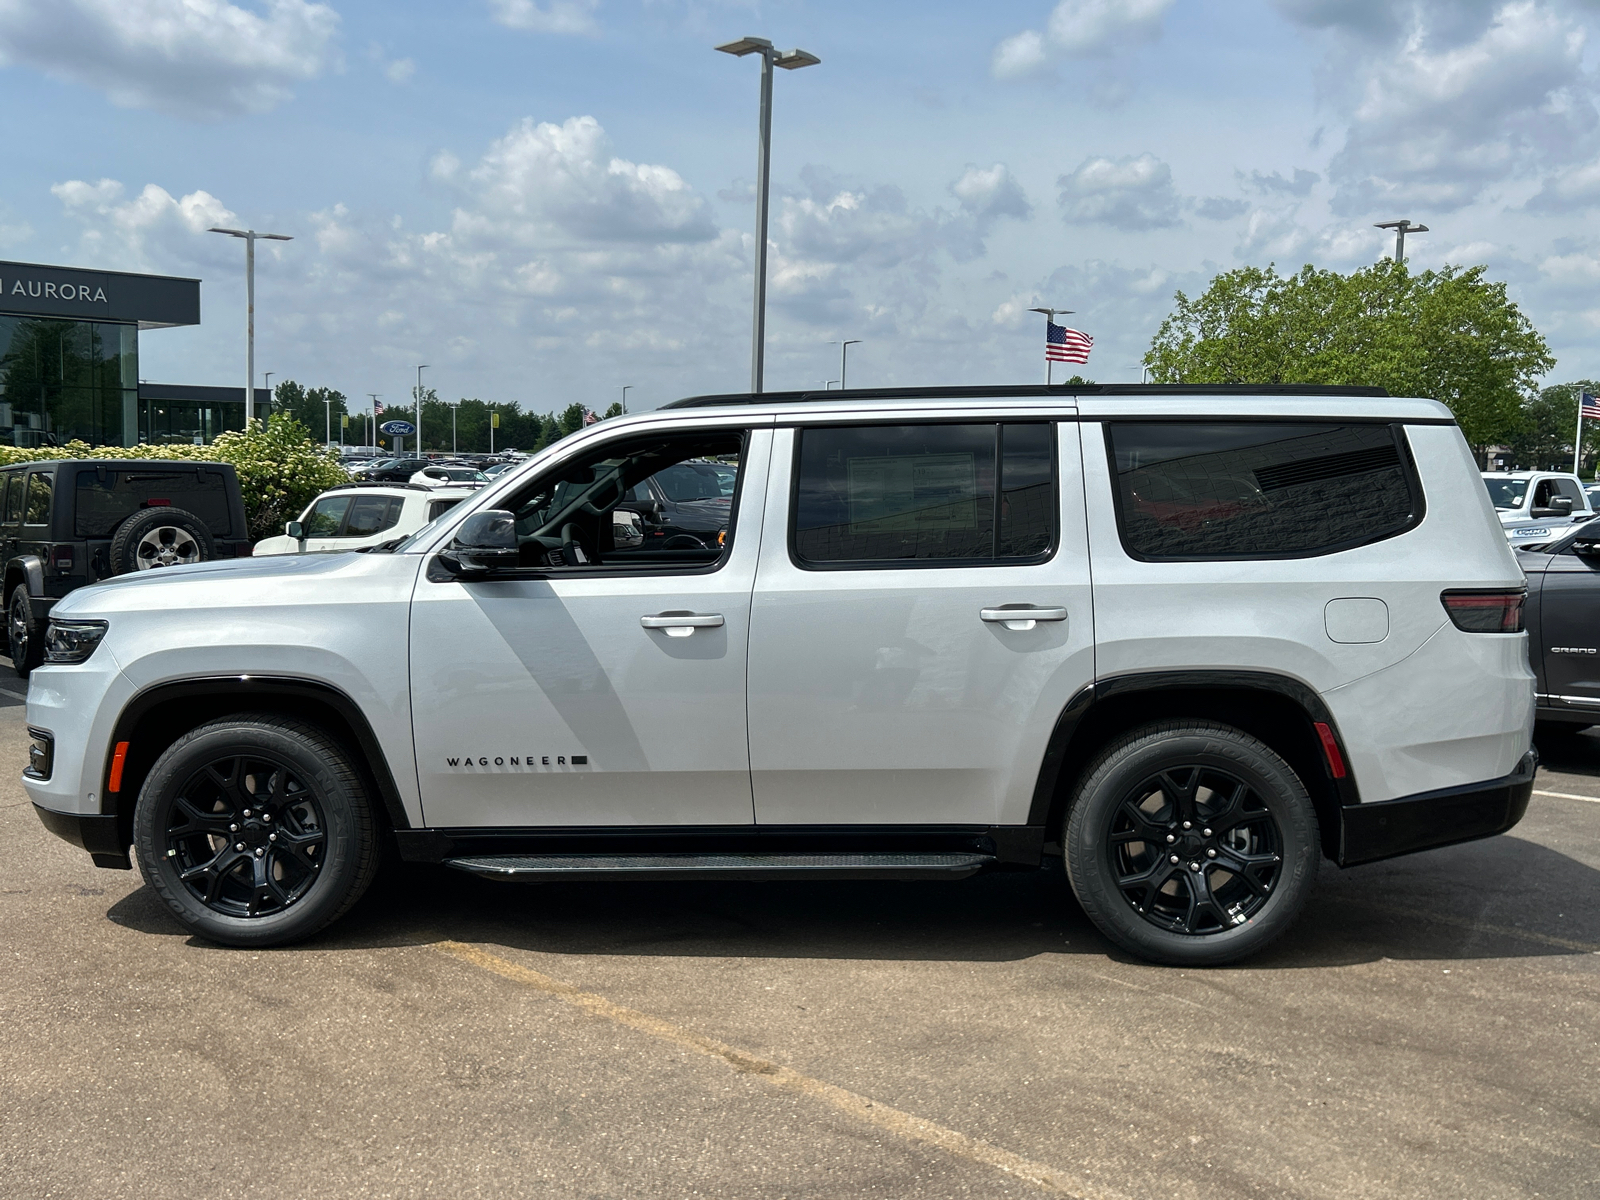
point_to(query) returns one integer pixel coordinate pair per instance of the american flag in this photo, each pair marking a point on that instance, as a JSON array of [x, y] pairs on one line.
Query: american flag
[[1065, 345], [1590, 407], [590, 416], [377, 408]]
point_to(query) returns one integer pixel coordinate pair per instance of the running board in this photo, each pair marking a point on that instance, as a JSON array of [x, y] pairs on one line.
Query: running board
[[539, 868]]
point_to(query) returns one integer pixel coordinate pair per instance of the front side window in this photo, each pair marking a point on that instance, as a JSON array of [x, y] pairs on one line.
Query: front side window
[[903, 495], [651, 503], [1259, 489], [325, 516], [13, 497]]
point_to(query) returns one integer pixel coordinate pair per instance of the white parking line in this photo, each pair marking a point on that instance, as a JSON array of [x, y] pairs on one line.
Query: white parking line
[[1567, 796], [9, 692]]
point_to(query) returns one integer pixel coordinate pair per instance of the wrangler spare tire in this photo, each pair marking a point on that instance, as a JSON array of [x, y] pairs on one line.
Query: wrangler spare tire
[[160, 537]]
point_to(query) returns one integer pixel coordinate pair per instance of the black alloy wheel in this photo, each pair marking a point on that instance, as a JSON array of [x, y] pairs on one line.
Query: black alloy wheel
[[256, 830], [1191, 843], [246, 835], [22, 632], [1195, 850]]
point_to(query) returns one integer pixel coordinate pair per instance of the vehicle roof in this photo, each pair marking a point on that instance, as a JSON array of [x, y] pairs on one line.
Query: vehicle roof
[[1094, 400], [1526, 474], [116, 462], [401, 489]]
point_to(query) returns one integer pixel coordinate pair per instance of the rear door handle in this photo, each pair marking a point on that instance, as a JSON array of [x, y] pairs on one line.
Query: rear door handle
[[1021, 616], [682, 624]]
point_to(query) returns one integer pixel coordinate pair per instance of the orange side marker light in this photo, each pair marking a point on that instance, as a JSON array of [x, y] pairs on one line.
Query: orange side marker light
[[118, 757]]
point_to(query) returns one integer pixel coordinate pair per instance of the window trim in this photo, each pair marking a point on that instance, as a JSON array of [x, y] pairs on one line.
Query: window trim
[[1408, 466], [27, 496], [438, 574], [802, 563]]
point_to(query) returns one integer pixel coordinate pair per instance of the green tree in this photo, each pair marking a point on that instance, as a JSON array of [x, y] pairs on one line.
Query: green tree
[[1451, 334], [1549, 424], [571, 419], [317, 409], [614, 411]]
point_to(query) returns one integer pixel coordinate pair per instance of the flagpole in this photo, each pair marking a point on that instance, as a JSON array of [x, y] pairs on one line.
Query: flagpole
[[1050, 315], [1577, 441]]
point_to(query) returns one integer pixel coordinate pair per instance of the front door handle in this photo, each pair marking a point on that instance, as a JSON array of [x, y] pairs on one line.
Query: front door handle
[[1021, 616], [682, 624]]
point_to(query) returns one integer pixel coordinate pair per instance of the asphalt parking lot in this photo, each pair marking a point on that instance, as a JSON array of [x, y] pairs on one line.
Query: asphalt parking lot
[[1430, 1029]]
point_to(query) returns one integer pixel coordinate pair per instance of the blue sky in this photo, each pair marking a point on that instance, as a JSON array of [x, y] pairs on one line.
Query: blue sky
[[547, 200]]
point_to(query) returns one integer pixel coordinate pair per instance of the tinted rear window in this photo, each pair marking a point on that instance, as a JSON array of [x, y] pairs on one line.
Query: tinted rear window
[[1249, 489], [106, 498], [925, 493]]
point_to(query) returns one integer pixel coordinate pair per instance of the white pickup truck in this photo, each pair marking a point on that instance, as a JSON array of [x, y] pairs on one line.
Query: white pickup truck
[[1533, 505]]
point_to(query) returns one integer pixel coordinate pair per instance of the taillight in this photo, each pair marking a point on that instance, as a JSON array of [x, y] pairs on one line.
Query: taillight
[[61, 558], [1485, 612]]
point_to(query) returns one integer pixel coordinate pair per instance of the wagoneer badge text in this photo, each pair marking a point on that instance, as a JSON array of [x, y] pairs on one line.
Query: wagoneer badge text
[[520, 760]]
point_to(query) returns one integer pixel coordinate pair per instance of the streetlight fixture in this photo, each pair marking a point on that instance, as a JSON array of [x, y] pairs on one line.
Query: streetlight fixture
[[419, 408], [843, 346], [626, 388], [789, 60], [1050, 315], [250, 237], [1401, 228]]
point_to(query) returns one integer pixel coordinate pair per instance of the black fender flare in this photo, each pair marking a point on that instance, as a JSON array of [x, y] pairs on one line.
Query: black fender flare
[[1055, 764], [276, 690], [31, 568]]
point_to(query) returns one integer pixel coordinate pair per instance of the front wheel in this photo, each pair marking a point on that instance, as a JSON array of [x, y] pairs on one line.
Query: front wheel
[[256, 830], [1191, 843]]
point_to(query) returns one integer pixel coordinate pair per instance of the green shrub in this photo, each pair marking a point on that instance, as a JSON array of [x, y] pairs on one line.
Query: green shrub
[[280, 468]]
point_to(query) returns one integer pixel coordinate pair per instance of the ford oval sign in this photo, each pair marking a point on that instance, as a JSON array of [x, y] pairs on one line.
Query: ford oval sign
[[398, 428]]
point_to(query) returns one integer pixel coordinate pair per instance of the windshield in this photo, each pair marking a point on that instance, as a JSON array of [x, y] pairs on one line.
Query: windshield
[[1506, 493]]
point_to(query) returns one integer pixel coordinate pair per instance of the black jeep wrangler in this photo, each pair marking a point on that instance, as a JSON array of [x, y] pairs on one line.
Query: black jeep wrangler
[[69, 523]]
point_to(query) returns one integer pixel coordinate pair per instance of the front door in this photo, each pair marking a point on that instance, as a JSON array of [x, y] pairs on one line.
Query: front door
[[921, 619], [601, 683]]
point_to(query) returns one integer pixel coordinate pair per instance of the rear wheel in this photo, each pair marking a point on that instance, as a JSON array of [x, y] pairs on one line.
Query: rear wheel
[[23, 634], [1191, 843], [256, 830]]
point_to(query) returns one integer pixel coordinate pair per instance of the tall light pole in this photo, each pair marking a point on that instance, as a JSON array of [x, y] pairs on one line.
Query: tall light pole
[[250, 236], [626, 388], [267, 381], [327, 429], [454, 405], [419, 408], [1401, 228], [789, 60], [843, 346], [372, 433], [1050, 315]]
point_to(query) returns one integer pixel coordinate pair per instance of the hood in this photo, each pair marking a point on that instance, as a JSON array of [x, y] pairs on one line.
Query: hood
[[226, 572]]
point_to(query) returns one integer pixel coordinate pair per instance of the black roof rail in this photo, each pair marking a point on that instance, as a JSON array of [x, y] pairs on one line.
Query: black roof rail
[[991, 391]]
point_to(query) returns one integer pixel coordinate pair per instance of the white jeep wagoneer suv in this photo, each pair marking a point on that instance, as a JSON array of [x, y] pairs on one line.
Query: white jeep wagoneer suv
[[1190, 640]]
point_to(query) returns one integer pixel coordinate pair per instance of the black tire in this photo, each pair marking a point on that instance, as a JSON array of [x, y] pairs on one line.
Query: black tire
[[24, 637], [308, 854], [160, 537], [1156, 824]]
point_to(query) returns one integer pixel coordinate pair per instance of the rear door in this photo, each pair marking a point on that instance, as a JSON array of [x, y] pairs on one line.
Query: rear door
[[921, 618], [1569, 629]]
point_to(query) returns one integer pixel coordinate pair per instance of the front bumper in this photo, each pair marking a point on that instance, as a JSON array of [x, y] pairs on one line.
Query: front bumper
[[98, 833], [1386, 828]]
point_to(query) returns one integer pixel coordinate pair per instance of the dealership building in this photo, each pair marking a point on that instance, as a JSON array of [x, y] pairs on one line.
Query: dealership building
[[69, 361]]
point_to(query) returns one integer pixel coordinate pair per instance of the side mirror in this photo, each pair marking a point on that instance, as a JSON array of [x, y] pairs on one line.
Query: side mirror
[[295, 530], [1562, 504], [486, 541]]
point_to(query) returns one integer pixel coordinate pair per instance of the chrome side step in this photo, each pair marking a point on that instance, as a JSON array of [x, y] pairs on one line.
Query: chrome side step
[[539, 868]]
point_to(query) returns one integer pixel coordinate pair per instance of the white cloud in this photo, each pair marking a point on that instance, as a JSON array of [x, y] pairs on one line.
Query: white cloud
[[1300, 184], [543, 181], [1462, 97], [1569, 189], [1131, 193], [987, 193], [557, 16], [1080, 29], [152, 227], [400, 70], [192, 58]]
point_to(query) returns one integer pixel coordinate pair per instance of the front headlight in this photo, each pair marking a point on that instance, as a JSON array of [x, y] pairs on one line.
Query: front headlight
[[70, 641]]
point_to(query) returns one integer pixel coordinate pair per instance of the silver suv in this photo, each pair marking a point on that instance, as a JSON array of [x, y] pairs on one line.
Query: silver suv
[[1188, 641]]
